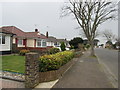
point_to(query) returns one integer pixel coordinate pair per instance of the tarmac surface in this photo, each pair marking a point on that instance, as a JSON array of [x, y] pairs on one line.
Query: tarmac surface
[[85, 73]]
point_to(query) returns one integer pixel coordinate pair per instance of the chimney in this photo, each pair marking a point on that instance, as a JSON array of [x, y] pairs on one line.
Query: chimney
[[47, 34], [36, 30]]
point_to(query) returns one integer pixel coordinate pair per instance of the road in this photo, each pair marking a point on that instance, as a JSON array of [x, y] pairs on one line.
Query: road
[[109, 58]]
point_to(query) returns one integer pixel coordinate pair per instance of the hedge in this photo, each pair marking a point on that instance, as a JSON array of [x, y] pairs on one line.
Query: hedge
[[53, 50], [54, 61]]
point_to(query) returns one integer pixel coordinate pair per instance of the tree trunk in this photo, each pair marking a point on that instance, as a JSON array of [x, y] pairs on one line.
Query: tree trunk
[[92, 48]]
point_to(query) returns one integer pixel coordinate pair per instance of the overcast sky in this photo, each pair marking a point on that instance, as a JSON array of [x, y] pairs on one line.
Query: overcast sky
[[46, 17]]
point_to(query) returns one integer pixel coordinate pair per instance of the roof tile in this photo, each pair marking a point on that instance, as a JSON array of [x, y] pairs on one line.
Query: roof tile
[[20, 33]]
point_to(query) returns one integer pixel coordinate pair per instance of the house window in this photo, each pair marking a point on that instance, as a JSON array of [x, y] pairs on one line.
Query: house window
[[43, 43], [20, 42], [2, 39], [39, 43], [55, 43]]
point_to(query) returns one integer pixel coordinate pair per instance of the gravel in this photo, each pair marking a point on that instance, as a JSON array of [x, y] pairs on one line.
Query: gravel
[[12, 75]]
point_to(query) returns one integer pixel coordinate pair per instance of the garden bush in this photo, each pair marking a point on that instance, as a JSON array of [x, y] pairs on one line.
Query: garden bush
[[87, 46], [71, 47], [62, 46], [23, 52], [54, 61], [53, 50]]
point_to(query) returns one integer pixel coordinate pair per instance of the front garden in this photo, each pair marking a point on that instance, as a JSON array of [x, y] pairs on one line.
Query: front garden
[[52, 61], [51, 65], [13, 63]]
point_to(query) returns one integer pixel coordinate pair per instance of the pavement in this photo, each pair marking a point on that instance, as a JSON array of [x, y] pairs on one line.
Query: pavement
[[85, 73], [5, 83], [47, 84]]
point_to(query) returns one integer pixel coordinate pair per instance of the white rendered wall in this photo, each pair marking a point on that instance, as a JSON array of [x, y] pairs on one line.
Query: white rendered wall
[[6, 46]]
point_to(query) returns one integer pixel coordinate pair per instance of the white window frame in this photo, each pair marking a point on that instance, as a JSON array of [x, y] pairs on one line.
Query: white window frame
[[37, 43], [41, 42], [55, 44], [21, 42], [44, 41], [2, 40]]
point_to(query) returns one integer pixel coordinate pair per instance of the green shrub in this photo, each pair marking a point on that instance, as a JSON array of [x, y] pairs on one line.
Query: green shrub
[[78, 54], [23, 52], [62, 46], [53, 50], [87, 46], [71, 47], [114, 46], [54, 61]]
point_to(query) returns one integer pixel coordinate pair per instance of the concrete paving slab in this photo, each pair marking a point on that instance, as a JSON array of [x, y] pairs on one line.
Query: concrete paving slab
[[47, 84]]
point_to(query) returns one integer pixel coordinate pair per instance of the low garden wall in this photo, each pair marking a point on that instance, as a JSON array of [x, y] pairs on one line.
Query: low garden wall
[[55, 74], [34, 74]]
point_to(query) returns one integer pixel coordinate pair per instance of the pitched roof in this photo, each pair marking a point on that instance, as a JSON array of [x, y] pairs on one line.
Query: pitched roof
[[96, 40], [53, 39], [14, 30], [62, 40], [5, 31], [20, 33], [34, 35]]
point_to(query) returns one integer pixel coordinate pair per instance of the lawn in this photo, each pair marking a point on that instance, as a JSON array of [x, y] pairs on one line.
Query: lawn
[[13, 63]]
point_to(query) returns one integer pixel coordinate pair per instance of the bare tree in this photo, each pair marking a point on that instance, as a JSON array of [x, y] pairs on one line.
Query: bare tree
[[108, 35], [117, 43], [118, 39], [89, 15]]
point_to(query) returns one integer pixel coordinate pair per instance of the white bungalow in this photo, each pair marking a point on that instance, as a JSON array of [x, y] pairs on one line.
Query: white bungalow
[[5, 41]]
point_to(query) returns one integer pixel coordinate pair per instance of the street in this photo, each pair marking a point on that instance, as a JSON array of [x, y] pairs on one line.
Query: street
[[109, 58]]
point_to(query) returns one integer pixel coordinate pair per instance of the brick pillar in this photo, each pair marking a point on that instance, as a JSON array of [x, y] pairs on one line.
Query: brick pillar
[[31, 70]]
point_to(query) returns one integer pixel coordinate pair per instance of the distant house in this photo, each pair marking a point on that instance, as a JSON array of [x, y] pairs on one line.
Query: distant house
[[52, 41], [27, 40], [87, 42], [117, 45], [6, 38], [108, 44]]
